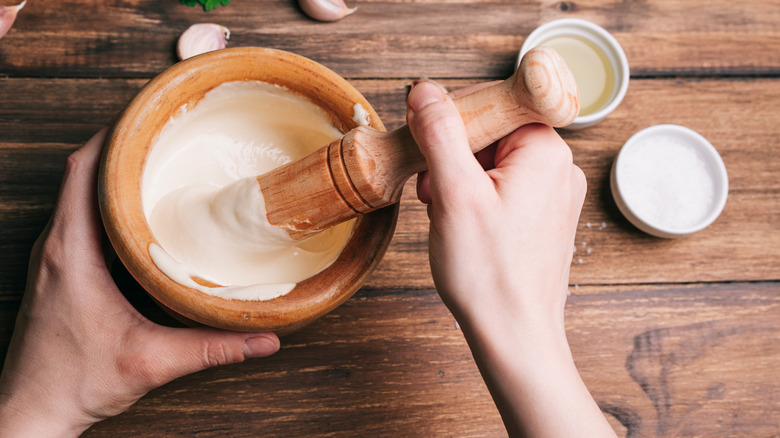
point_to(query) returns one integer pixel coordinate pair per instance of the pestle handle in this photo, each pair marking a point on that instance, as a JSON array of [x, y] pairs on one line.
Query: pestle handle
[[366, 169]]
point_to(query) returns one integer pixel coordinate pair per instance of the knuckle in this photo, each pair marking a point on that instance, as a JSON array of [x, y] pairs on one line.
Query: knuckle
[[219, 353], [438, 126], [541, 144], [579, 182], [578, 178], [560, 152], [142, 367], [60, 248], [52, 256], [75, 162], [80, 163]]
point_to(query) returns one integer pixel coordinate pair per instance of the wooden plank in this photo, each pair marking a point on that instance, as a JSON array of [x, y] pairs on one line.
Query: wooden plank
[[742, 245], [41, 122], [686, 359], [384, 39], [59, 111], [746, 230], [691, 361], [696, 360]]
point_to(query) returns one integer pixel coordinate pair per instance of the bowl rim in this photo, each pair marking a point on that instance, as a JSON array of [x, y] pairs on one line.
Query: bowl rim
[[715, 164], [121, 172], [601, 38]]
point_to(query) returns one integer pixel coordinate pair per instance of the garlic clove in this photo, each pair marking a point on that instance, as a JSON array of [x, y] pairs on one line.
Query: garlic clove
[[202, 38], [326, 10], [8, 16]]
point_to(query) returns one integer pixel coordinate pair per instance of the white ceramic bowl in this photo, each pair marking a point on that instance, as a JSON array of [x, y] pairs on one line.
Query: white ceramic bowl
[[669, 182], [601, 39]]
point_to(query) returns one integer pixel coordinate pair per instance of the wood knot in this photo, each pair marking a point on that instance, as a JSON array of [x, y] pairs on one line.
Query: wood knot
[[566, 6]]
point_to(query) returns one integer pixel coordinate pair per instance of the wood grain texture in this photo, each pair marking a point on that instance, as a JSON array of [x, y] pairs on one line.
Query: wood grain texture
[[736, 115], [674, 338], [460, 39], [41, 122], [366, 169], [661, 361], [695, 360]]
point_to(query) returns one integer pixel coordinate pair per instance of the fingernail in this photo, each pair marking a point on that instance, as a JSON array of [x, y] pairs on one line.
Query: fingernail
[[261, 346], [425, 79], [424, 94], [441, 87]]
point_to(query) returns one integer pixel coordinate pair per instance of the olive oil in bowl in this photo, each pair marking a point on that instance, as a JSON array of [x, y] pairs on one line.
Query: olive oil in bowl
[[591, 69], [596, 60]]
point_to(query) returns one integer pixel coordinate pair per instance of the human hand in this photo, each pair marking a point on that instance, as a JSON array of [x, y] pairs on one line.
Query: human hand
[[501, 237], [80, 352], [500, 244]]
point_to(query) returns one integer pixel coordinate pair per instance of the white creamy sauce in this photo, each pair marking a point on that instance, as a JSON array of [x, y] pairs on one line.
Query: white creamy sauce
[[204, 205], [360, 116]]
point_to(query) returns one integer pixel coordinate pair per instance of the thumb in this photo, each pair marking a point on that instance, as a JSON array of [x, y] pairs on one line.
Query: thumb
[[439, 131], [183, 351]]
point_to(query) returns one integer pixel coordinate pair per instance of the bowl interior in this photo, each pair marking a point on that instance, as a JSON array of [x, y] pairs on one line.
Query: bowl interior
[[136, 131], [601, 39], [710, 158]]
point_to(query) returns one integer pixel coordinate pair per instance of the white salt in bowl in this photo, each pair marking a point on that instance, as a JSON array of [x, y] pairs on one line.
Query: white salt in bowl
[[669, 181]]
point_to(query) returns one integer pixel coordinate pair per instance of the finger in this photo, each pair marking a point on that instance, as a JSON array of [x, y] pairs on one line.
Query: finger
[[183, 351], [77, 193], [535, 145], [76, 219], [439, 131], [423, 188], [424, 79], [485, 158], [579, 186]]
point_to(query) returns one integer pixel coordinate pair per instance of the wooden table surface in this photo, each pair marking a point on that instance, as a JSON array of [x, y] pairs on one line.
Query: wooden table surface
[[673, 337]]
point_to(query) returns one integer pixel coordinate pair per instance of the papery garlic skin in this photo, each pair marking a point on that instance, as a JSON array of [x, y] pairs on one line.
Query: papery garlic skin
[[326, 10], [8, 16], [202, 38]]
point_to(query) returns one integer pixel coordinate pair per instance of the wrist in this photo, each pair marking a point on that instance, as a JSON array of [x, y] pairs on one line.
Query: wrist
[[508, 324], [522, 342], [529, 369], [29, 419]]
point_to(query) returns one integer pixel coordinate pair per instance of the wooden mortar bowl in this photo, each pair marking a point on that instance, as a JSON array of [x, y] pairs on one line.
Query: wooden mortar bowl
[[137, 130]]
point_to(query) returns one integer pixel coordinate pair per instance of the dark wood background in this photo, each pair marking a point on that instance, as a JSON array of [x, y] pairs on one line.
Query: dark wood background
[[673, 337]]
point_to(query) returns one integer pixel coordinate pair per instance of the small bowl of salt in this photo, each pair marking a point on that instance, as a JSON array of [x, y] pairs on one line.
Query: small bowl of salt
[[669, 181]]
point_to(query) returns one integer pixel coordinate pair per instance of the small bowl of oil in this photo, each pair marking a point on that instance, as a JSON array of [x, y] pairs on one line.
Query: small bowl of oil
[[596, 60]]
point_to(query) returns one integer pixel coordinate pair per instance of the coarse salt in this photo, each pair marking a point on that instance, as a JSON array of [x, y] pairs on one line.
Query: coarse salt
[[667, 182]]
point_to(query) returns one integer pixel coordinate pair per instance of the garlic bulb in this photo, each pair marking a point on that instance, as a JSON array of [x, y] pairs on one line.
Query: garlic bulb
[[325, 10], [8, 16], [202, 38]]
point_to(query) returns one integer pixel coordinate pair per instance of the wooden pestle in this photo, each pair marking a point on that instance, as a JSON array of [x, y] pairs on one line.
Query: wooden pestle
[[366, 169]]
